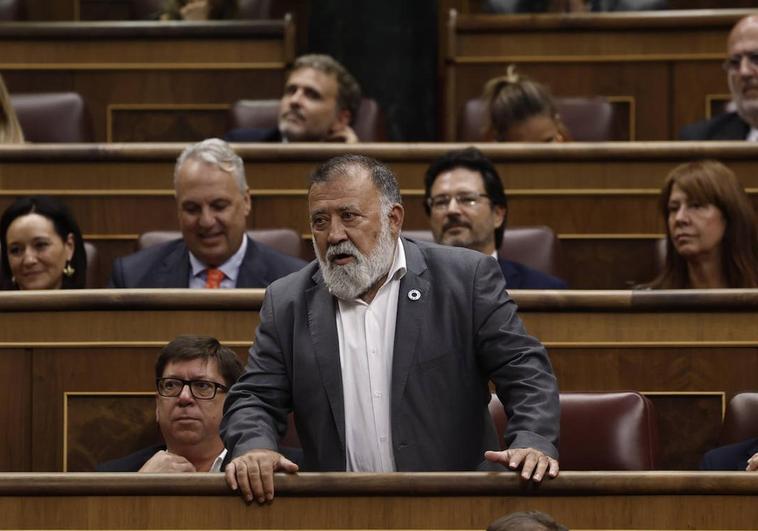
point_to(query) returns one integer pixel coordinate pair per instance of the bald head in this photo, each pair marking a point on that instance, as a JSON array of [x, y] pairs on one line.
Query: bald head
[[742, 73]]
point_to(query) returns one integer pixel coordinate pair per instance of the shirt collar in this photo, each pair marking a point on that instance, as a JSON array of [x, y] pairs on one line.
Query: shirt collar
[[216, 466], [230, 268]]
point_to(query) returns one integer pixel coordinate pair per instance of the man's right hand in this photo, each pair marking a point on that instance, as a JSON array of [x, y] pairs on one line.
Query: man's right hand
[[253, 474], [166, 462]]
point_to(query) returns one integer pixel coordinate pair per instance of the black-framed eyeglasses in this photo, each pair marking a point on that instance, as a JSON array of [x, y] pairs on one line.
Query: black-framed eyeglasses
[[733, 63], [201, 389], [465, 199]]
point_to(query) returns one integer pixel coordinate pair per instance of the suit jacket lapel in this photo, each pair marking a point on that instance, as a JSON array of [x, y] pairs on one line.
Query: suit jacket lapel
[[252, 272], [175, 269], [412, 306], [323, 331]]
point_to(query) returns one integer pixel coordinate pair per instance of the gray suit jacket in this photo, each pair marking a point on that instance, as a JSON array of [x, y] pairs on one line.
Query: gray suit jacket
[[168, 266], [460, 333]]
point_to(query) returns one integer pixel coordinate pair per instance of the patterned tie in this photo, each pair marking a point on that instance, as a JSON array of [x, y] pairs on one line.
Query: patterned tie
[[213, 278]]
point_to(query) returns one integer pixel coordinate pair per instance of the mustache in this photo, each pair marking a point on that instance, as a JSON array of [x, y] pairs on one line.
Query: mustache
[[342, 248], [293, 112], [455, 223]]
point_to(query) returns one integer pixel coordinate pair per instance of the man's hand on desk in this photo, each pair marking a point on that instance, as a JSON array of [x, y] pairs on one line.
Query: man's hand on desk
[[533, 463], [752, 463], [253, 474]]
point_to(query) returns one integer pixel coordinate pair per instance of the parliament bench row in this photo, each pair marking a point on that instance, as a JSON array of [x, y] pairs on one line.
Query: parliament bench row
[[601, 200], [158, 82], [352, 501], [688, 352]]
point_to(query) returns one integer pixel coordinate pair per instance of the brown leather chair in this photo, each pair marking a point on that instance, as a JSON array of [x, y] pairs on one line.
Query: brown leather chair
[[535, 247], [587, 119], [263, 114], [741, 419], [53, 117], [285, 241], [600, 431]]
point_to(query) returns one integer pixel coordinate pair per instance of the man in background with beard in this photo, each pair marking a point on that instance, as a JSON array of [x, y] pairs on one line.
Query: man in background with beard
[[383, 348]]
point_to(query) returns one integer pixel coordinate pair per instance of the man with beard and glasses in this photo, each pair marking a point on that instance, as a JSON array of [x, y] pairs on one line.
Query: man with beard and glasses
[[741, 68], [383, 348], [467, 207], [320, 102]]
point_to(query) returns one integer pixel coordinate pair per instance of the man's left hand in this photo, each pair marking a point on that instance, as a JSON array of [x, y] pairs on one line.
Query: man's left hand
[[533, 463]]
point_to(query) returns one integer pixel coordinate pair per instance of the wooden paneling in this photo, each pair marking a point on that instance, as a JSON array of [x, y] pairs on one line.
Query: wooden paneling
[[16, 409], [666, 62], [590, 500], [601, 199], [146, 69]]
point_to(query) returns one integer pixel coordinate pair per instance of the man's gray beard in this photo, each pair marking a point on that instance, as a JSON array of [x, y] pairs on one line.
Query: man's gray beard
[[352, 280]]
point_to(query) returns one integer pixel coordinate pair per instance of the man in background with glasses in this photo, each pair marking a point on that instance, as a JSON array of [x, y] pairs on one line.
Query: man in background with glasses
[[193, 374], [741, 66], [467, 207]]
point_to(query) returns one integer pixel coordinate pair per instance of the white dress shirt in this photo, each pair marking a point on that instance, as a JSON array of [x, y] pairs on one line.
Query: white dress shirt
[[366, 335], [230, 269]]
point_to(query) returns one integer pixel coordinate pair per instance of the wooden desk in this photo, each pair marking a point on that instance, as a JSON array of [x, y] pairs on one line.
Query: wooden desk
[[689, 351], [662, 67], [601, 199], [150, 81], [590, 500]]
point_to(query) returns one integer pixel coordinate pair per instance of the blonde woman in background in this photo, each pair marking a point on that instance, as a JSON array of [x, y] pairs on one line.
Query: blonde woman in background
[[10, 129], [522, 110]]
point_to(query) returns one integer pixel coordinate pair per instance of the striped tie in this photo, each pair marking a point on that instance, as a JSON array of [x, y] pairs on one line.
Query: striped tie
[[213, 278]]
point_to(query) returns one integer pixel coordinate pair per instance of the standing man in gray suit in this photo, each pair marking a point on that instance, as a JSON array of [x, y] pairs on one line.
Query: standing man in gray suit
[[383, 348]]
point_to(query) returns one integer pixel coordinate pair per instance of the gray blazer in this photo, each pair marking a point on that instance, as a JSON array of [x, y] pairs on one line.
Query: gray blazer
[[461, 332]]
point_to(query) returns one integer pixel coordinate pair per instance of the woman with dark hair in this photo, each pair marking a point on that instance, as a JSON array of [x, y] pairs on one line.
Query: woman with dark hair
[[42, 246], [522, 110], [711, 238]]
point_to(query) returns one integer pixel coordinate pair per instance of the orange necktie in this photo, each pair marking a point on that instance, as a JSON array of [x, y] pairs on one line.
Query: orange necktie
[[213, 278]]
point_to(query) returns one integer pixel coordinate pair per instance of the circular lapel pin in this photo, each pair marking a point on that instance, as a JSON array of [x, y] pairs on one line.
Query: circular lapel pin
[[414, 294]]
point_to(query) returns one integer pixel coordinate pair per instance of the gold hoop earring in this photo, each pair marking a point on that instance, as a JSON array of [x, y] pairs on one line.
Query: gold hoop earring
[[68, 270]]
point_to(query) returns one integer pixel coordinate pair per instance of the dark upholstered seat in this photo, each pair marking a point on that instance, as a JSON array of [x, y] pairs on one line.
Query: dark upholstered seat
[[535, 247], [741, 419], [11, 10], [264, 114], [92, 269], [285, 241], [601, 431], [53, 117], [587, 119]]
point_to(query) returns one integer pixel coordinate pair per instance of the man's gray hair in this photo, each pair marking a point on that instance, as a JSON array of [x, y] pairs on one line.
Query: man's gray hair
[[218, 153], [381, 175]]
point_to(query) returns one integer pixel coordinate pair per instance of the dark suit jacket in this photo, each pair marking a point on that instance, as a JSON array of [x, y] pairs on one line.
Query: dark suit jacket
[[726, 126], [460, 333], [730, 457], [168, 266], [253, 135], [132, 462], [518, 276]]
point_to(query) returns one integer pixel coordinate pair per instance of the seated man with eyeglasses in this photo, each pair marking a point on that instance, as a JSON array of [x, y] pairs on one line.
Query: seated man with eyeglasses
[[741, 67], [193, 374], [467, 207]]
